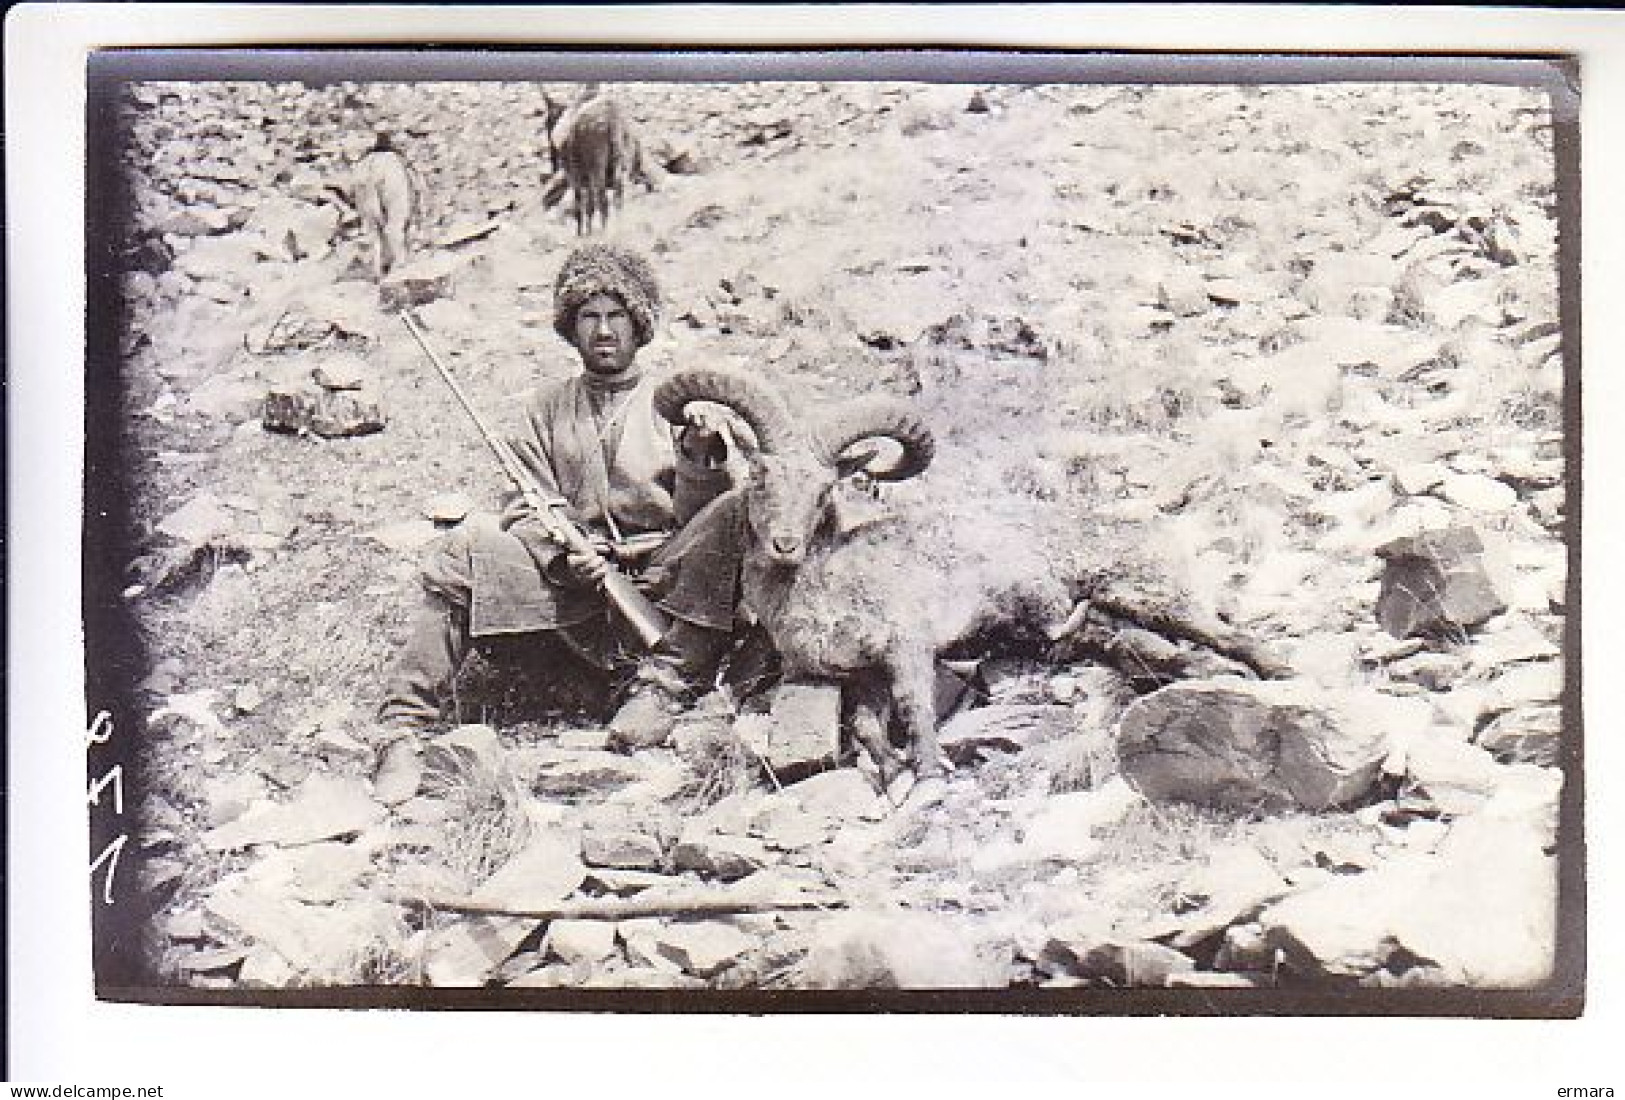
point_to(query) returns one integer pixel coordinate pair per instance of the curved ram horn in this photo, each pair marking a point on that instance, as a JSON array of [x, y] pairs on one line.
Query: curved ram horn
[[756, 401], [878, 416]]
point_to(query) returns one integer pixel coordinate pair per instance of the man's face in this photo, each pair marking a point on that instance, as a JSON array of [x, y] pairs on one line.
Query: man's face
[[605, 335]]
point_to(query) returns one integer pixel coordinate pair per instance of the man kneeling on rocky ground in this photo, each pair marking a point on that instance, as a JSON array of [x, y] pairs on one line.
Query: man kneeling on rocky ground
[[653, 493]]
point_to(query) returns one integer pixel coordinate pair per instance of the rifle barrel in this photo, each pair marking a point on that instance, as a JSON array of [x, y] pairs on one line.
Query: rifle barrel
[[457, 390]]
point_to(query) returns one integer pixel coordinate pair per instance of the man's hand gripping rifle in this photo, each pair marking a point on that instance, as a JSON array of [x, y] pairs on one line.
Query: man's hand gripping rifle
[[644, 617]]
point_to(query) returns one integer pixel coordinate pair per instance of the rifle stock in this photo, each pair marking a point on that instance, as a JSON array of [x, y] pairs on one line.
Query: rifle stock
[[647, 621]]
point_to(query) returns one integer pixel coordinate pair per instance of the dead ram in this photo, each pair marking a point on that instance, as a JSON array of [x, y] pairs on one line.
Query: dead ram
[[871, 606]]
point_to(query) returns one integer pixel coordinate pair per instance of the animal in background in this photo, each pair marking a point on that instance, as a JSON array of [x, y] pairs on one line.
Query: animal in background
[[598, 152], [385, 193]]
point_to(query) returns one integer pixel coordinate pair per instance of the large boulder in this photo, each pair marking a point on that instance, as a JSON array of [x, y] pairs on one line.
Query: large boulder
[[1436, 582], [1255, 745]]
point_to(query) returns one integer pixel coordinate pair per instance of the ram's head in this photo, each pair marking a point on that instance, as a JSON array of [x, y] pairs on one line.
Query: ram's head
[[795, 465]]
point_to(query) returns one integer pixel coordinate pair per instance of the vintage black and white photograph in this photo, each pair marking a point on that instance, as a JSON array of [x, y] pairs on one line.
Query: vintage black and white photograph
[[1053, 530]]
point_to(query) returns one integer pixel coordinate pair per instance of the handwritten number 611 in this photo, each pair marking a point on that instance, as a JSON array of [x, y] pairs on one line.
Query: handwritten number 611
[[101, 730]]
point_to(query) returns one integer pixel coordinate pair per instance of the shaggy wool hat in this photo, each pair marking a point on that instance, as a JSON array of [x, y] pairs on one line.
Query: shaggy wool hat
[[605, 269]]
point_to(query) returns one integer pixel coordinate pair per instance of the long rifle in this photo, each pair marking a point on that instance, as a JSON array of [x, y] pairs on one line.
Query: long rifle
[[645, 618]]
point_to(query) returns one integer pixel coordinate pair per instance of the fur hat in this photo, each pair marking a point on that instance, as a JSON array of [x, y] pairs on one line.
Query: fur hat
[[605, 269]]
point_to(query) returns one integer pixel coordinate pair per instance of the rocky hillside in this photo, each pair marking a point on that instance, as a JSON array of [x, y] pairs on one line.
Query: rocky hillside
[[1301, 342]]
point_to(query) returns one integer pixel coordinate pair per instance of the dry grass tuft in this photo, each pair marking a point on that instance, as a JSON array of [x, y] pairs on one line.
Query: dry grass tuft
[[487, 824], [719, 763]]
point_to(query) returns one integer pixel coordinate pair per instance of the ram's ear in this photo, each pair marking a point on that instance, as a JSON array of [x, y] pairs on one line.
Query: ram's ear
[[856, 460]]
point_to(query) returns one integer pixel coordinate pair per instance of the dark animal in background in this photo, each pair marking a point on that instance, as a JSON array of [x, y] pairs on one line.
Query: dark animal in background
[[595, 148], [385, 193]]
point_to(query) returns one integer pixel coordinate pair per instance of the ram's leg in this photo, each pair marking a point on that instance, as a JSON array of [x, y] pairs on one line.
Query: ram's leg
[[867, 709], [1185, 622], [914, 696]]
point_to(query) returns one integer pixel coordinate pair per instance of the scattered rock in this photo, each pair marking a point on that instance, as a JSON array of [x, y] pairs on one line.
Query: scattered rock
[[552, 977], [226, 398], [623, 848], [185, 925], [337, 373], [1065, 824], [247, 699], [1216, 979], [1245, 948], [1434, 671], [604, 880], [423, 281], [324, 943], [1417, 478], [322, 808], [666, 977], [898, 949], [1526, 682], [719, 856], [844, 794], [580, 942], [1007, 728], [1488, 919], [407, 536], [292, 230], [801, 732], [1477, 493], [781, 823], [547, 870], [265, 969], [1112, 960], [201, 521], [1247, 745], [219, 958], [702, 948], [1443, 769], [1435, 582], [1525, 735], [229, 797], [644, 721], [587, 773], [466, 233], [1383, 651], [448, 509], [1519, 642], [1183, 293], [1235, 883], [316, 873], [1011, 680], [469, 750], [331, 414], [333, 744], [584, 740]]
